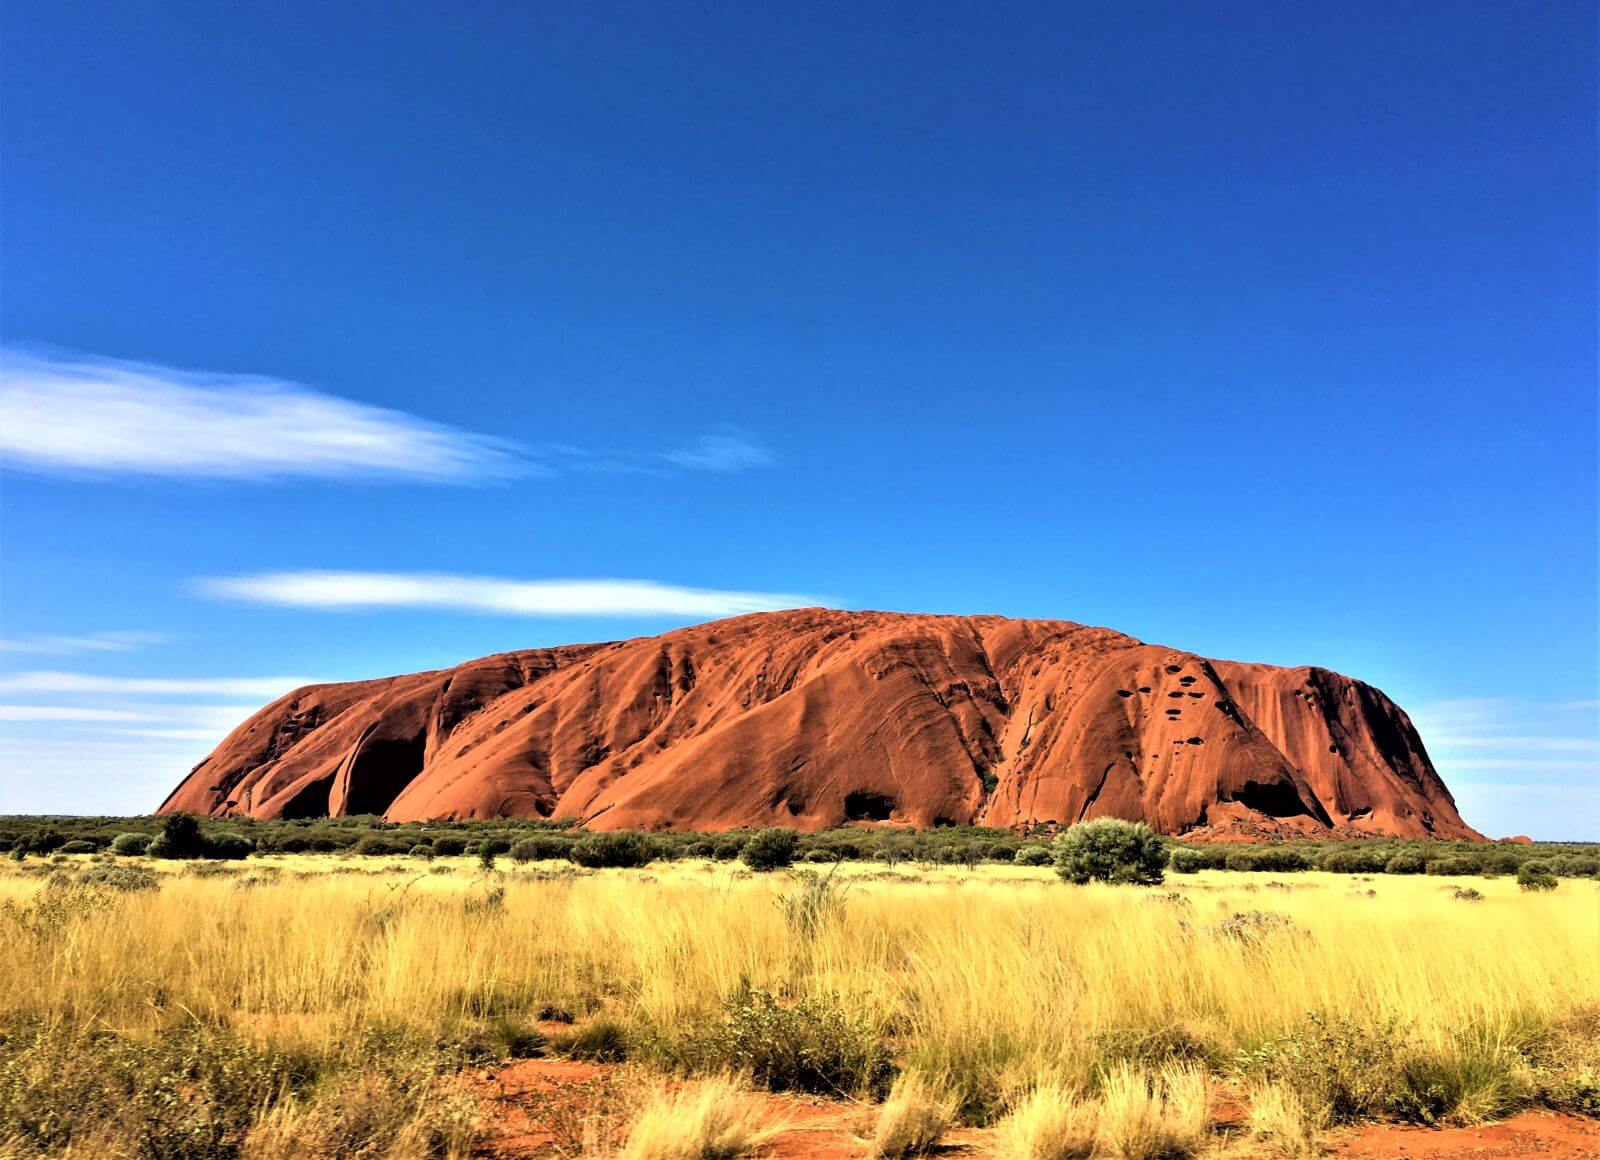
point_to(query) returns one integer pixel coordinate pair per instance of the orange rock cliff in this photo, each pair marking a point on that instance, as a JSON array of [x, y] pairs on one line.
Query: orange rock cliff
[[814, 718]]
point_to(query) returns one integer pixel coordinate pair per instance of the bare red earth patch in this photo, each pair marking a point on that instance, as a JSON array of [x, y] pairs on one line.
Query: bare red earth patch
[[539, 1108]]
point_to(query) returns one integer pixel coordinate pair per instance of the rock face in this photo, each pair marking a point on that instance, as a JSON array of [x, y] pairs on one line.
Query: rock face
[[815, 718]]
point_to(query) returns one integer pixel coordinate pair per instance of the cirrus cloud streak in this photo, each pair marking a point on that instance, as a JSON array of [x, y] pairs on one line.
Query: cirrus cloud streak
[[365, 591], [86, 415]]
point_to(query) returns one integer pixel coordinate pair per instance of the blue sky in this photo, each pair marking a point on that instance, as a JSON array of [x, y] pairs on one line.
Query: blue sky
[[348, 339]]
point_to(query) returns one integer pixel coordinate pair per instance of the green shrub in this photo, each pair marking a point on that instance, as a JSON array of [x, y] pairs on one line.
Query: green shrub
[[1354, 860], [1405, 862], [449, 847], [230, 846], [1000, 852], [813, 1045], [46, 841], [186, 1095], [820, 856], [1437, 1086], [1575, 866], [729, 845], [1280, 860], [770, 850], [1034, 855], [540, 848], [77, 846], [1453, 865], [620, 848], [378, 846], [1502, 862], [1182, 860], [1111, 850], [130, 845], [700, 850], [1333, 1062], [422, 850], [180, 837], [1535, 876]]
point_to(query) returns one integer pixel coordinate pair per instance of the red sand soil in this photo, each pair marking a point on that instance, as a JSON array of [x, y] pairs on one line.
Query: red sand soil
[[537, 1108], [1530, 1134], [814, 718]]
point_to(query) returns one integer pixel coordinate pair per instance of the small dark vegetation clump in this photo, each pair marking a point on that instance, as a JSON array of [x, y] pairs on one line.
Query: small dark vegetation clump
[[179, 1096], [182, 838], [1252, 927], [1111, 850], [1435, 1086], [1332, 1062], [1033, 855], [119, 879], [770, 849], [602, 1039], [810, 1045]]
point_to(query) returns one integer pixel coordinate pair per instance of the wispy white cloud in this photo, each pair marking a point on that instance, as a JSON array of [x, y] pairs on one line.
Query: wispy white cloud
[[48, 681], [729, 451], [357, 591], [124, 641], [722, 452], [65, 713], [1541, 756], [1488, 726], [85, 415], [81, 414]]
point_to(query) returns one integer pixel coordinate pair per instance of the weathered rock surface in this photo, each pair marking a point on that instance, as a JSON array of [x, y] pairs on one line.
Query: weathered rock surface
[[814, 718]]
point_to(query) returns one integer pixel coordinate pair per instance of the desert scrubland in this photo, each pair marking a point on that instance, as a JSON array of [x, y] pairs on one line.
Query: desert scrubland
[[302, 1005]]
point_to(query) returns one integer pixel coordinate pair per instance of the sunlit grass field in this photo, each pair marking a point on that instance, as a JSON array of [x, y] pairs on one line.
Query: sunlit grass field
[[1342, 997]]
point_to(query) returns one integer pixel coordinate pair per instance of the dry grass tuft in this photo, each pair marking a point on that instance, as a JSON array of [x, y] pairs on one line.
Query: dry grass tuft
[[713, 1119], [365, 1116], [1049, 1123], [1285, 1122], [1154, 1115], [913, 1119]]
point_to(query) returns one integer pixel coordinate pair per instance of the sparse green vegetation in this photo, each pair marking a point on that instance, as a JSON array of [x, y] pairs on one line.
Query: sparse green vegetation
[[197, 985]]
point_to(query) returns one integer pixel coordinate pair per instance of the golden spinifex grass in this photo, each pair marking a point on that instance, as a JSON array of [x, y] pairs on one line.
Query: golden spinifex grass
[[988, 982]]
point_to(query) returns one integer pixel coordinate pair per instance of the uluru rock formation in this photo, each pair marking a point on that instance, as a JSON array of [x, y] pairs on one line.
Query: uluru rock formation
[[815, 717]]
